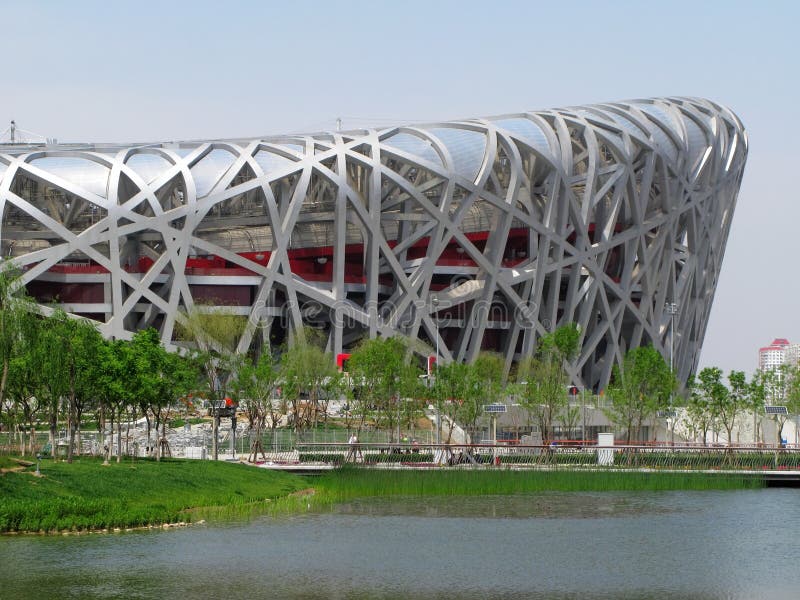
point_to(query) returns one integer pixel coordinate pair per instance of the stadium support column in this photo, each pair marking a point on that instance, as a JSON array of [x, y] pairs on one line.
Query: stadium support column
[[374, 233], [435, 302], [107, 300], [339, 241]]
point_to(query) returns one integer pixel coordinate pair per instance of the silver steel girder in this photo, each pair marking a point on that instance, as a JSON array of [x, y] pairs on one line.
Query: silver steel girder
[[484, 233]]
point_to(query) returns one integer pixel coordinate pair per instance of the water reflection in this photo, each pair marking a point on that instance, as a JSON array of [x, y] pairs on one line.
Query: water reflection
[[553, 505], [707, 545]]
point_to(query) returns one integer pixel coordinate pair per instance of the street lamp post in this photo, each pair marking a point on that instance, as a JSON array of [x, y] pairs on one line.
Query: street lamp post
[[583, 413], [672, 310], [435, 302], [397, 399]]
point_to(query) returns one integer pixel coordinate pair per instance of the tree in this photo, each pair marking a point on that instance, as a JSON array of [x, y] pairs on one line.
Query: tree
[[15, 308], [639, 388], [115, 369], [24, 381], [776, 382], [451, 390], [255, 384], [756, 398], [707, 394], [542, 380], [384, 377], [570, 418], [792, 398], [67, 356], [308, 376], [729, 405], [484, 386], [214, 333], [51, 358], [779, 387], [713, 387], [180, 376], [160, 378]]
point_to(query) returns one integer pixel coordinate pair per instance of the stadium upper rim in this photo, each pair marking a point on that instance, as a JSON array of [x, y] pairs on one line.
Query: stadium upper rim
[[112, 147]]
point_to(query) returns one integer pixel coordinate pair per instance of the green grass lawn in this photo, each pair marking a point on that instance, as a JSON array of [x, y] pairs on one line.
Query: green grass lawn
[[180, 422], [87, 495], [8, 462]]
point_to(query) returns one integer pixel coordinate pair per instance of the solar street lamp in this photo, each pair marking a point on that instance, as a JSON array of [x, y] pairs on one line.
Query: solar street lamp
[[775, 412], [493, 410]]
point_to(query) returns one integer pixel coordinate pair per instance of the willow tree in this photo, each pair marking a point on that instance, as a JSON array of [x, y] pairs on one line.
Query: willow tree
[[67, 353], [15, 306], [24, 383], [214, 333], [308, 379]]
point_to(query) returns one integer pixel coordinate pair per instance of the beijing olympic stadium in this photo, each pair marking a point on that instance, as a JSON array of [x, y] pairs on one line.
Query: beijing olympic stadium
[[469, 235]]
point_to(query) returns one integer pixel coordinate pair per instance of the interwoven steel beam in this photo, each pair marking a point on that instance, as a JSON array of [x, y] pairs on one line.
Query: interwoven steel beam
[[486, 232]]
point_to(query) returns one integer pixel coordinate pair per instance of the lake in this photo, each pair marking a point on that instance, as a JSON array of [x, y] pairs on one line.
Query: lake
[[707, 545]]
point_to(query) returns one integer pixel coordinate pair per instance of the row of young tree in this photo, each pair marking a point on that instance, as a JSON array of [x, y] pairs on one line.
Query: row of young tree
[[643, 388], [716, 404], [58, 369], [59, 372]]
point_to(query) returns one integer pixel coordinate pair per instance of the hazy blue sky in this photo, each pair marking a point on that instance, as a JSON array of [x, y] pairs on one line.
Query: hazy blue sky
[[152, 71]]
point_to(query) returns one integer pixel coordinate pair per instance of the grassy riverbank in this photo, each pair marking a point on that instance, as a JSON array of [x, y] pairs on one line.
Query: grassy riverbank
[[345, 484], [86, 495]]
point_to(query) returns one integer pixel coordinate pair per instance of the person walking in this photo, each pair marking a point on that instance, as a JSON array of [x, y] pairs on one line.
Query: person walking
[[354, 449]]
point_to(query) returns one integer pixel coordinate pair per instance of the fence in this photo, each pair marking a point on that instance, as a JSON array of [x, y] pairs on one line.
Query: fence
[[197, 441], [683, 458], [12, 442], [330, 447]]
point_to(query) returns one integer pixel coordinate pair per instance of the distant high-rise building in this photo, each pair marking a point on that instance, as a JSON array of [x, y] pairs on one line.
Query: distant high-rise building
[[792, 355], [770, 358], [773, 356]]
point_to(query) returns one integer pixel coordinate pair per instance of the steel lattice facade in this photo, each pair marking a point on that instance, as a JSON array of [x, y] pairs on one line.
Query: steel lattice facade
[[485, 232]]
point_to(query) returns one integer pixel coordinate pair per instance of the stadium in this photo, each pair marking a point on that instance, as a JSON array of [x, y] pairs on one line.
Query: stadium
[[469, 235]]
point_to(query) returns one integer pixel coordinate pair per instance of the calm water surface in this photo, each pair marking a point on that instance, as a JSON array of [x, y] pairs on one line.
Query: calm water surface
[[709, 545]]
